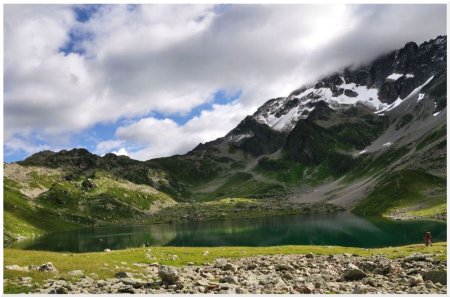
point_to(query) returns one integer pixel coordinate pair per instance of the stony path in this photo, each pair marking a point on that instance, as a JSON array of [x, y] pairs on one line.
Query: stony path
[[295, 274]]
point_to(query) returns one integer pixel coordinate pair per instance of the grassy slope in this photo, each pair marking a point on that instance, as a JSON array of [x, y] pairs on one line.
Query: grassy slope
[[404, 188], [23, 218], [66, 204], [107, 264]]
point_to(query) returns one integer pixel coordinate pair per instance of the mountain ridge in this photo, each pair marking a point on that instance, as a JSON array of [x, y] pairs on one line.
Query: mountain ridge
[[350, 140]]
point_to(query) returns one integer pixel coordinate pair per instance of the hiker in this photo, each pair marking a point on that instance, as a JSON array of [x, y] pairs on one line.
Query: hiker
[[427, 238]]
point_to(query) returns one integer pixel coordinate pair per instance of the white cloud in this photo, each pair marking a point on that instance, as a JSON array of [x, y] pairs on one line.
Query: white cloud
[[121, 152], [172, 58], [164, 137], [107, 146]]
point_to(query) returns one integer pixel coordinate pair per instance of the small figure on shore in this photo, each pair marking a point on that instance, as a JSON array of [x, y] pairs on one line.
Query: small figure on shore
[[147, 244], [427, 238]]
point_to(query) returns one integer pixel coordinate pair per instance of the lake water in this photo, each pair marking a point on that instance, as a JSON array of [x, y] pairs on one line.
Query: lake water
[[341, 229]]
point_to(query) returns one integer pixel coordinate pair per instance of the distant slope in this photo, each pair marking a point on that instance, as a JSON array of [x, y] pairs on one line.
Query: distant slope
[[39, 200]]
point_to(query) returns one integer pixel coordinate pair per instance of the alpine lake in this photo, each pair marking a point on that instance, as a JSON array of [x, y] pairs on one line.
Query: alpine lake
[[337, 229]]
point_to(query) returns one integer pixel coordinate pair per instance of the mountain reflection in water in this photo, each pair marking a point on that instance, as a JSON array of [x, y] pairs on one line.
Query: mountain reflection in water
[[342, 229]]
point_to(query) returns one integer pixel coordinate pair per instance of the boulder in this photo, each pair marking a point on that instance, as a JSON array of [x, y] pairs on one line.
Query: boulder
[[359, 289], [284, 267], [436, 276], [48, 267], [168, 274], [415, 280], [229, 279], [229, 267], [202, 283], [88, 184], [306, 288], [352, 274], [107, 250], [126, 289], [220, 263], [123, 274]]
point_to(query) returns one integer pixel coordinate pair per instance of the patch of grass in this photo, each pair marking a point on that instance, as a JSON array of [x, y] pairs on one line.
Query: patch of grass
[[403, 121], [399, 189], [40, 180], [360, 134], [236, 209], [374, 165], [191, 171], [244, 184], [430, 211], [24, 218], [105, 265], [430, 138]]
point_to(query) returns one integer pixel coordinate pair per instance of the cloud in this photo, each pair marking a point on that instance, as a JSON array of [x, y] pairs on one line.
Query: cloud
[[121, 152], [164, 137], [129, 62]]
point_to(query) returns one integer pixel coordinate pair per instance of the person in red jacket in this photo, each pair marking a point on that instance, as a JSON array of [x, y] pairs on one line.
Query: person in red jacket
[[427, 238]]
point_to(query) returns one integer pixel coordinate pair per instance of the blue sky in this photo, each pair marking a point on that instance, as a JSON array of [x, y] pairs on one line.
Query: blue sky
[[155, 80]]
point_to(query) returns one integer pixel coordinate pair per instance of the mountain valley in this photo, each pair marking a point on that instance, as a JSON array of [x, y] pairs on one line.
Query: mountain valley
[[369, 139]]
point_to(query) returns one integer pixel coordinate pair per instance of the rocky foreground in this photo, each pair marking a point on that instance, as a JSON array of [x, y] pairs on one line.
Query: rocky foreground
[[418, 273]]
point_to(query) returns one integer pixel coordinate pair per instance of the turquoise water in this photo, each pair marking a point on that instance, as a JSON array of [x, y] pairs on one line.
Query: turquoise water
[[341, 229]]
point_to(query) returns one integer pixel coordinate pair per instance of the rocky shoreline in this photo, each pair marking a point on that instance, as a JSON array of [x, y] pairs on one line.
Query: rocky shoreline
[[296, 274]]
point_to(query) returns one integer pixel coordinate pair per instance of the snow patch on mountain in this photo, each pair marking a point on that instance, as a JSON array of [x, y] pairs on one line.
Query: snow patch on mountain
[[394, 76], [399, 100], [421, 95], [279, 117]]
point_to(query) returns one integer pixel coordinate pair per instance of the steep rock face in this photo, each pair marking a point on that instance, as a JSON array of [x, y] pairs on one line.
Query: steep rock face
[[255, 138], [378, 85]]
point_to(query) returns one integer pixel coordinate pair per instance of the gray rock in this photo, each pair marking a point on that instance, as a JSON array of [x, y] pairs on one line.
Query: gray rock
[[229, 267], [123, 274], [220, 263], [241, 291], [126, 289], [135, 283], [280, 286], [310, 256], [306, 288], [284, 267], [61, 290], [48, 267], [417, 257], [107, 250], [359, 289], [25, 279], [16, 268], [33, 267], [352, 274], [415, 280], [436, 276], [229, 279], [202, 283], [168, 274], [75, 273]]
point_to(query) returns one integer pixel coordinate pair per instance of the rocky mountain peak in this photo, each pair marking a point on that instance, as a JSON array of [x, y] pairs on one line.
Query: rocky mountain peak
[[380, 85]]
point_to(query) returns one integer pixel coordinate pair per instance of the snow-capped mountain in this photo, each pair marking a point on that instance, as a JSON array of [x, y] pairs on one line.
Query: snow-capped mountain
[[385, 119], [381, 85]]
